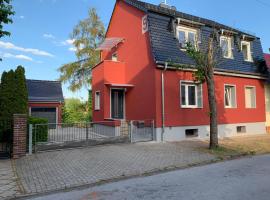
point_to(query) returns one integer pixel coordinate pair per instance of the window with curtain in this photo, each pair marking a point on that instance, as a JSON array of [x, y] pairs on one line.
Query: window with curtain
[[230, 96], [250, 97]]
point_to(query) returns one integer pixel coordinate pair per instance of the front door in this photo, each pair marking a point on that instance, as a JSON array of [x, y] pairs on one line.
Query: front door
[[117, 103]]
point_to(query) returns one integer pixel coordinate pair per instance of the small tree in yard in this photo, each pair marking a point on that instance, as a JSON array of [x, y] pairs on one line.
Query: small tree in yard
[[13, 99], [205, 62]]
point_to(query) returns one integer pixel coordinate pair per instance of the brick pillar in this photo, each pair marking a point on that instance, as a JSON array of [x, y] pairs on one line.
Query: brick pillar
[[19, 135]]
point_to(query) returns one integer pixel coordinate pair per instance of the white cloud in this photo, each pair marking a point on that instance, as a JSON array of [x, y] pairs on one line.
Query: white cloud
[[67, 42], [72, 49], [48, 36], [21, 17], [21, 57], [8, 45]]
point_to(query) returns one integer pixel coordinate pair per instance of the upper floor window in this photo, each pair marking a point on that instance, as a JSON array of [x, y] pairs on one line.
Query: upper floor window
[[230, 96], [187, 35], [226, 46], [97, 100], [250, 97], [246, 49], [191, 95]]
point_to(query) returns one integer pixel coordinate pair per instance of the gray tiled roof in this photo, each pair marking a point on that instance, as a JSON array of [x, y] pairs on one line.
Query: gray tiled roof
[[44, 91], [165, 47]]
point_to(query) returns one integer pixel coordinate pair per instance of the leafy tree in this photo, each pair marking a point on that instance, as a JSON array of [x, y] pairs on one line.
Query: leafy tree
[[87, 35], [21, 92], [206, 60], [75, 111], [5, 13], [13, 99]]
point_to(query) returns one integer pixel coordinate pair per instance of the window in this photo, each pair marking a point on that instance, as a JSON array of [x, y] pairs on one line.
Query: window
[[114, 57], [226, 46], [250, 97], [245, 47], [241, 129], [191, 133], [191, 95], [186, 35], [97, 100], [230, 96]]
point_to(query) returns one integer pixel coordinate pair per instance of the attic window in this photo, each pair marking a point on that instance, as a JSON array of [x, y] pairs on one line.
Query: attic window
[[246, 50], [226, 46], [187, 35]]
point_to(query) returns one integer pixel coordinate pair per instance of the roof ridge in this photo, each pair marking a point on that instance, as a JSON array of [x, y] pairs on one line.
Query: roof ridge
[[210, 22], [36, 80]]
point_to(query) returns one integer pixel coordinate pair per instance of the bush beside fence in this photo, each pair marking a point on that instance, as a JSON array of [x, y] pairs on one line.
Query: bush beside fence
[[40, 133]]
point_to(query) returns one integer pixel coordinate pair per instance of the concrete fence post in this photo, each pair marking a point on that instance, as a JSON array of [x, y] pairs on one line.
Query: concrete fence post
[[19, 135], [30, 145]]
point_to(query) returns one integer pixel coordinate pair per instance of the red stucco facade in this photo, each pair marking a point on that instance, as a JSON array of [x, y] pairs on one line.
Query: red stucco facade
[[136, 67]]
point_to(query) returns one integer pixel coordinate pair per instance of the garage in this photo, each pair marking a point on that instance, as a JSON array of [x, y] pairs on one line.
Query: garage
[[45, 99], [48, 113]]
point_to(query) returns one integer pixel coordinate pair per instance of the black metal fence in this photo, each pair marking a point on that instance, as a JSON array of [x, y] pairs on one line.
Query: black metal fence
[[6, 139]]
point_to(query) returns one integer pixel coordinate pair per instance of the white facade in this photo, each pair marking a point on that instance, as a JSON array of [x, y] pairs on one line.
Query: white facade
[[224, 130]]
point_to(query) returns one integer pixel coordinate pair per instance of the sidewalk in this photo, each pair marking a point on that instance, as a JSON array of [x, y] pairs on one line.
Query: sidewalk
[[8, 184]]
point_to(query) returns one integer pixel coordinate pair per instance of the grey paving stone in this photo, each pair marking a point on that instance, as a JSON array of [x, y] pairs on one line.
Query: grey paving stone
[[47, 171]]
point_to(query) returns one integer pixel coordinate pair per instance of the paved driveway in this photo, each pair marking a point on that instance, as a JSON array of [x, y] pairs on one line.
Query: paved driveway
[[242, 179], [56, 170]]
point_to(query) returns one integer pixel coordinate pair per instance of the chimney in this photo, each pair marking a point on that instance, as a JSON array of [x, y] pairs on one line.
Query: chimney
[[167, 6]]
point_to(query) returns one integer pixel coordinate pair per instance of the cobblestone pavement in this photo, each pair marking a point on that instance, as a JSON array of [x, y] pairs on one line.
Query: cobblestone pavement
[[55, 170], [8, 184]]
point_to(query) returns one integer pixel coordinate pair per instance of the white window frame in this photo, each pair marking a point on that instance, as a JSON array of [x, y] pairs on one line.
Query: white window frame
[[249, 59], [97, 102], [188, 30], [255, 103], [186, 94], [235, 89], [230, 52]]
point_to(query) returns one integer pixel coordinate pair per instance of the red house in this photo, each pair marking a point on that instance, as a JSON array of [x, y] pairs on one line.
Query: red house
[[137, 78], [45, 99]]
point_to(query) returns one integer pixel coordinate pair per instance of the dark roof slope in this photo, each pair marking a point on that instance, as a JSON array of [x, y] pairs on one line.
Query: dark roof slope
[[44, 91], [165, 47], [267, 59]]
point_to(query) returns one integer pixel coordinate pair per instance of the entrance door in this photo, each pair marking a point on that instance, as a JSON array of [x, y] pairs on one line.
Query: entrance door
[[117, 103]]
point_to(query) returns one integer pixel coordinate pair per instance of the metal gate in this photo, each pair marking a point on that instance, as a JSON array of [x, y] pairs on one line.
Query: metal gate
[[142, 130], [59, 136]]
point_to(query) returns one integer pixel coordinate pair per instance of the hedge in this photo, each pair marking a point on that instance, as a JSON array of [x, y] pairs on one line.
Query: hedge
[[40, 131]]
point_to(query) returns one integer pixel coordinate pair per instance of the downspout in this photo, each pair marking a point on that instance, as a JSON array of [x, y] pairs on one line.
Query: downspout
[[163, 101]]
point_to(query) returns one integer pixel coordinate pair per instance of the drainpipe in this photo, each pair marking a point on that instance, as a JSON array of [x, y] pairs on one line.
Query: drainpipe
[[163, 101]]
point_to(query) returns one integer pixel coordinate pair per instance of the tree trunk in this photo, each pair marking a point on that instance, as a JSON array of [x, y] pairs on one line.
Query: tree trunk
[[212, 95], [213, 110]]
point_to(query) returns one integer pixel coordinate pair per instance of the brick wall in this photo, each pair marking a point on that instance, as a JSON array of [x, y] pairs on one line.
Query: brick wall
[[19, 135]]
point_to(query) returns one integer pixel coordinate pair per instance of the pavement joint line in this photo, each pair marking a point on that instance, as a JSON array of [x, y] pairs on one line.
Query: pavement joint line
[[17, 178]]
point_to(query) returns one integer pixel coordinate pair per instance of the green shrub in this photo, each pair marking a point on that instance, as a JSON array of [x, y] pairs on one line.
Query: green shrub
[[40, 129]]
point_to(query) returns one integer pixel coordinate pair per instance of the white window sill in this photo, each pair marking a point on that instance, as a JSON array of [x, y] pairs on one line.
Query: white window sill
[[190, 107], [230, 107]]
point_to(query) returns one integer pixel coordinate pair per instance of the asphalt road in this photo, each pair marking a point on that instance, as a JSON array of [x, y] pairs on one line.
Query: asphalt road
[[243, 179]]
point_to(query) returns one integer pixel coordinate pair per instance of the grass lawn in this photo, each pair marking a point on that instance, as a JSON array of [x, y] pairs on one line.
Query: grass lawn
[[241, 146]]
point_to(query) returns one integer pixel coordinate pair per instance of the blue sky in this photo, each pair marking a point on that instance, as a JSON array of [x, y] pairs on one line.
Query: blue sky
[[41, 28]]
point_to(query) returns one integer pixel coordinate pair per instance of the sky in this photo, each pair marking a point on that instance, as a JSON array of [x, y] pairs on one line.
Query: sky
[[40, 30]]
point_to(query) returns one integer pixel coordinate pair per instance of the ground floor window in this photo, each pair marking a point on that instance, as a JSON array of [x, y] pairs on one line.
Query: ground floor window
[[97, 100], [191, 95], [230, 96], [250, 97]]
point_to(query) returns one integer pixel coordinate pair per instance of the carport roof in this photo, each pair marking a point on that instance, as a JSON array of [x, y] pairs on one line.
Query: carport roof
[[44, 91]]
